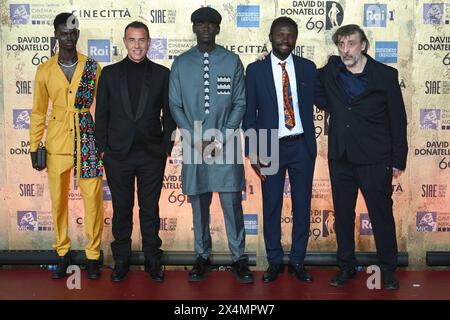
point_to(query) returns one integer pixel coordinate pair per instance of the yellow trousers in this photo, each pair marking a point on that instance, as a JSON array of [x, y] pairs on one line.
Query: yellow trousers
[[59, 171]]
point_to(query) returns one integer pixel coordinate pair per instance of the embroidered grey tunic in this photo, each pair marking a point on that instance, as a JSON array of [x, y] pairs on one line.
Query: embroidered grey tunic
[[211, 94]]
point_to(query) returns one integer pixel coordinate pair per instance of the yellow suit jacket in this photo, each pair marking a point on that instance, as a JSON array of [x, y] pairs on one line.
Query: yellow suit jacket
[[51, 83]]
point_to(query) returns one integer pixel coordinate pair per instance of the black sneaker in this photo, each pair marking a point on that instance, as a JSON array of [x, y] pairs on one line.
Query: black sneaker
[[200, 269]]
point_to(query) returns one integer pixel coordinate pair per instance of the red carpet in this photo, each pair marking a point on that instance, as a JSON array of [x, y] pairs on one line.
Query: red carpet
[[31, 284]]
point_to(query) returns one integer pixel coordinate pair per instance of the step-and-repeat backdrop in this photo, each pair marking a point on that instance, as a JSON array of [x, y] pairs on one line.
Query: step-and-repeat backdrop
[[413, 36]]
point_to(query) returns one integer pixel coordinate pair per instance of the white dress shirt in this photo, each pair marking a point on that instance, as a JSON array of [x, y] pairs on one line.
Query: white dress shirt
[[278, 80]]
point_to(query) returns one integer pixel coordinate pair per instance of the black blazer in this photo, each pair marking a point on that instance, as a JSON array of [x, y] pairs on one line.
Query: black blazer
[[116, 125], [372, 128]]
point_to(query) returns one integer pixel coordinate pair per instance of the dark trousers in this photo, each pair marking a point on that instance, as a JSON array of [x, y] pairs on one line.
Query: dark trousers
[[148, 169], [375, 183], [295, 158]]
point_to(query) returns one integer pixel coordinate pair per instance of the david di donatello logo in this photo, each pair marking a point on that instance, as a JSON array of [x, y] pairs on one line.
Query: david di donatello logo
[[334, 15], [328, 223]]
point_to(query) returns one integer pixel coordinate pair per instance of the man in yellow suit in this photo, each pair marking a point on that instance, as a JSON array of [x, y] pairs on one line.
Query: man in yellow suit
[[69, 80]]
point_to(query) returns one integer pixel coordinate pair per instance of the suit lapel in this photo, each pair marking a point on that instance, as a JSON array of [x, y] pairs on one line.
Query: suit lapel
[[124, 91], [145, 88], [340, 92], [270, 82], [300, 78], [75, 82], [370, 79]]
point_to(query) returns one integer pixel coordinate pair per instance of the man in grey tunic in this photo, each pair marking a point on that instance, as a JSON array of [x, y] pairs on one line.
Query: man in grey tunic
[[207, 92]]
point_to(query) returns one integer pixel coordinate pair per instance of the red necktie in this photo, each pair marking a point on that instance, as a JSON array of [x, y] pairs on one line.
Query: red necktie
[[289, 118]]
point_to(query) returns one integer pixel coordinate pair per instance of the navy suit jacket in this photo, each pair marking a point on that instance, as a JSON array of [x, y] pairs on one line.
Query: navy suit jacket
[[262, 105]]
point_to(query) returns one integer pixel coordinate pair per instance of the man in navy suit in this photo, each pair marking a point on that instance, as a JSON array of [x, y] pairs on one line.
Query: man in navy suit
[[280, 91]]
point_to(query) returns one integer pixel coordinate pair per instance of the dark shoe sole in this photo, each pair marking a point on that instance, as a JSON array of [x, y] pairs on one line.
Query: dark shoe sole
[[304, 280], [118, 279], [157, 279], [198, 279], [391, 287], [269, 280], [93, 277], [341, 284]]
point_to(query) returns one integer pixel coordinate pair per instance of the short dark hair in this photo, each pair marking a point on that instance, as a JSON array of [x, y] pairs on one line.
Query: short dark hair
[[61, 18], [350, 29], [283, 20], [136, 25]]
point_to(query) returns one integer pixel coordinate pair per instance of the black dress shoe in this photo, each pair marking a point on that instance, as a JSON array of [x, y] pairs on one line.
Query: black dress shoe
[[93, 270], [342, 277], [61, 268], [155, 270], [300, 272], [120, 271], [272, 272], [200, 269], [389, 281], [242, 272]]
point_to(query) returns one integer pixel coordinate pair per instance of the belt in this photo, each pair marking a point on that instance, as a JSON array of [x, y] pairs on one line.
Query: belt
[[292, 137]]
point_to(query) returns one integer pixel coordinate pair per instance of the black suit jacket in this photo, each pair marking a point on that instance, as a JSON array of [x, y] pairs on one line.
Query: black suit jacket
[[372, 128], [116, 125]]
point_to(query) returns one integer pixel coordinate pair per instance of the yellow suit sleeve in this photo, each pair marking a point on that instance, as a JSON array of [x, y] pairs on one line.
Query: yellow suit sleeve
[[39, 111]]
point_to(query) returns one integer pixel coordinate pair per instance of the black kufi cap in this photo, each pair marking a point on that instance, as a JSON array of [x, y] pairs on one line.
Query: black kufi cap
[[206, 14]]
